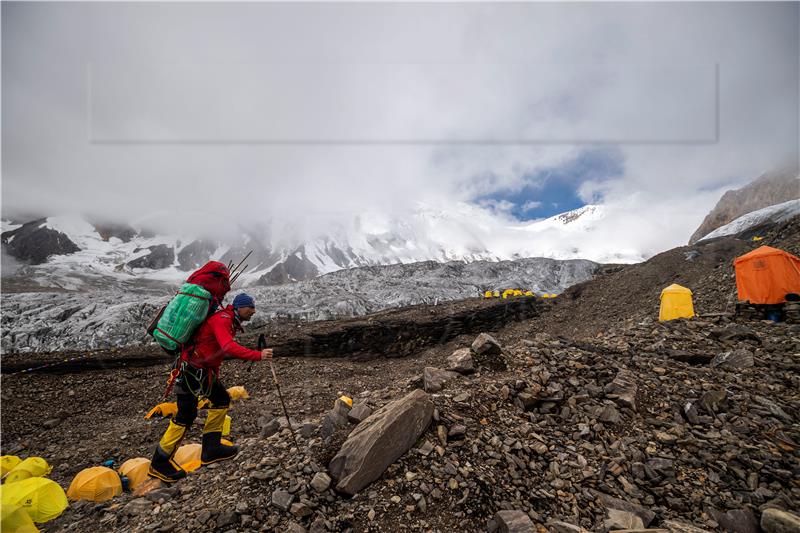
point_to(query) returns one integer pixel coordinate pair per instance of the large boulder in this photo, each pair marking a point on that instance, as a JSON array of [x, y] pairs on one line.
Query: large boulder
[[380, 440]]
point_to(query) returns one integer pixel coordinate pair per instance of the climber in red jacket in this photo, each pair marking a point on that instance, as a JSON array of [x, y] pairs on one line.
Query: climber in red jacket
[[199, 378]]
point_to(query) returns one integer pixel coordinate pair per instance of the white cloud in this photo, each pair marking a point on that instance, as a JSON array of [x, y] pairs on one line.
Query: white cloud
[[581, 68]]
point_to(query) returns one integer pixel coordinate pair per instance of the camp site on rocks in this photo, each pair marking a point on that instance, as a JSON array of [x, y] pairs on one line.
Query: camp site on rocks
[[395, 267]]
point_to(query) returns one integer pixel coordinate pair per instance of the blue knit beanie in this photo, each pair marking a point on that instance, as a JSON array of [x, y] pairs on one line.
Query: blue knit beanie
[[243, 300]]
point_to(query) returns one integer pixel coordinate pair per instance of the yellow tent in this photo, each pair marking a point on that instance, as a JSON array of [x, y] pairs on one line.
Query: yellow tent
[[487, 294], [135, 470], [676, 302], [96, 484], [30, 467], [16, 520], [7, 463], [188, 456], [43, 499]]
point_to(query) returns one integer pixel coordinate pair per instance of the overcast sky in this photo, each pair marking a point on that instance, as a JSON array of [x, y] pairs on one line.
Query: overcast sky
[[313, 112]]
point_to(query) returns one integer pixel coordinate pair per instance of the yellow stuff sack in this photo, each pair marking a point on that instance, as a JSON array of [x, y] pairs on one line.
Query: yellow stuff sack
[[238, 393], [96, 484], [43, 499], [30, 467]]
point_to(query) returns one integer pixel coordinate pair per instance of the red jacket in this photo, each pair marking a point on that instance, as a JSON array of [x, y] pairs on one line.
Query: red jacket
[[214, 340]]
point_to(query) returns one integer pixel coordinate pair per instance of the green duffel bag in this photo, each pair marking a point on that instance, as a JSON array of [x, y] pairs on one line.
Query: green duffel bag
[[181, 317]]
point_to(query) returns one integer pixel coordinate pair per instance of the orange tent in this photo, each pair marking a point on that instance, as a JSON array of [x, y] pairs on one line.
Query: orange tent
[[766, 275]]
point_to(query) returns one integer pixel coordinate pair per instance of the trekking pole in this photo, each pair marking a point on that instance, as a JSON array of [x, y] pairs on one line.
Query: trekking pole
[[234, 278], [261, 344], [240, 262]]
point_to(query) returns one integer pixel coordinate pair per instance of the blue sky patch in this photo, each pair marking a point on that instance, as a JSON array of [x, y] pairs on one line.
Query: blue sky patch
[[552, 191]]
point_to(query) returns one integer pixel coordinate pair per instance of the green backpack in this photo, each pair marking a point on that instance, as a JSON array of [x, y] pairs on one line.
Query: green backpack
[[179, 319]]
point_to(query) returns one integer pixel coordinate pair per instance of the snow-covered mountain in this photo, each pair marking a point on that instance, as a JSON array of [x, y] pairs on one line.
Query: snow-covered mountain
[[757, 220], [70, 252]]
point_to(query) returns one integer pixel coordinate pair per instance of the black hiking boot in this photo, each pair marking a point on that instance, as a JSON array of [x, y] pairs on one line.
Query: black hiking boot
[[214, 450], [164, 467]]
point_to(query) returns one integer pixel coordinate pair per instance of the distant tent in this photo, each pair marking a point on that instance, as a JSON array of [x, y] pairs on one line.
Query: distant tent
[[766, 275], [676, 302], [96, 484]]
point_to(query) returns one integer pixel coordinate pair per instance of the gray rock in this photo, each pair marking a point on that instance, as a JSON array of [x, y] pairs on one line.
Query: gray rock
[[513, 522], [736, 520], [380, 440], [137, 506], [488, 353], [565, 527], [301, 510], [269, 428], [712, 401], [609, 414], [434, 379], [307, 430], [675, 526], [321, 482], [294, 527], [282, 499], [618, 519], [485, 344], [227, 518], [644, 514], [331, 422], [359, 412], [461, 361], [623, 389], [778, 521], [734, 359]]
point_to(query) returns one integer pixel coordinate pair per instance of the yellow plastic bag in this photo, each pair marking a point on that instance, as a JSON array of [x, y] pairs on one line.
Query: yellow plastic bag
[[238, 393], [16, 520], [7, 464], [163, 409], [188, 456], [43, 499], [96, 484], [135, 470], [30, 467]]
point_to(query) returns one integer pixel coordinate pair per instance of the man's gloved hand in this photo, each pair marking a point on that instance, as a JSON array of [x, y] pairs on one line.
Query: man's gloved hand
[[266, 353]]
